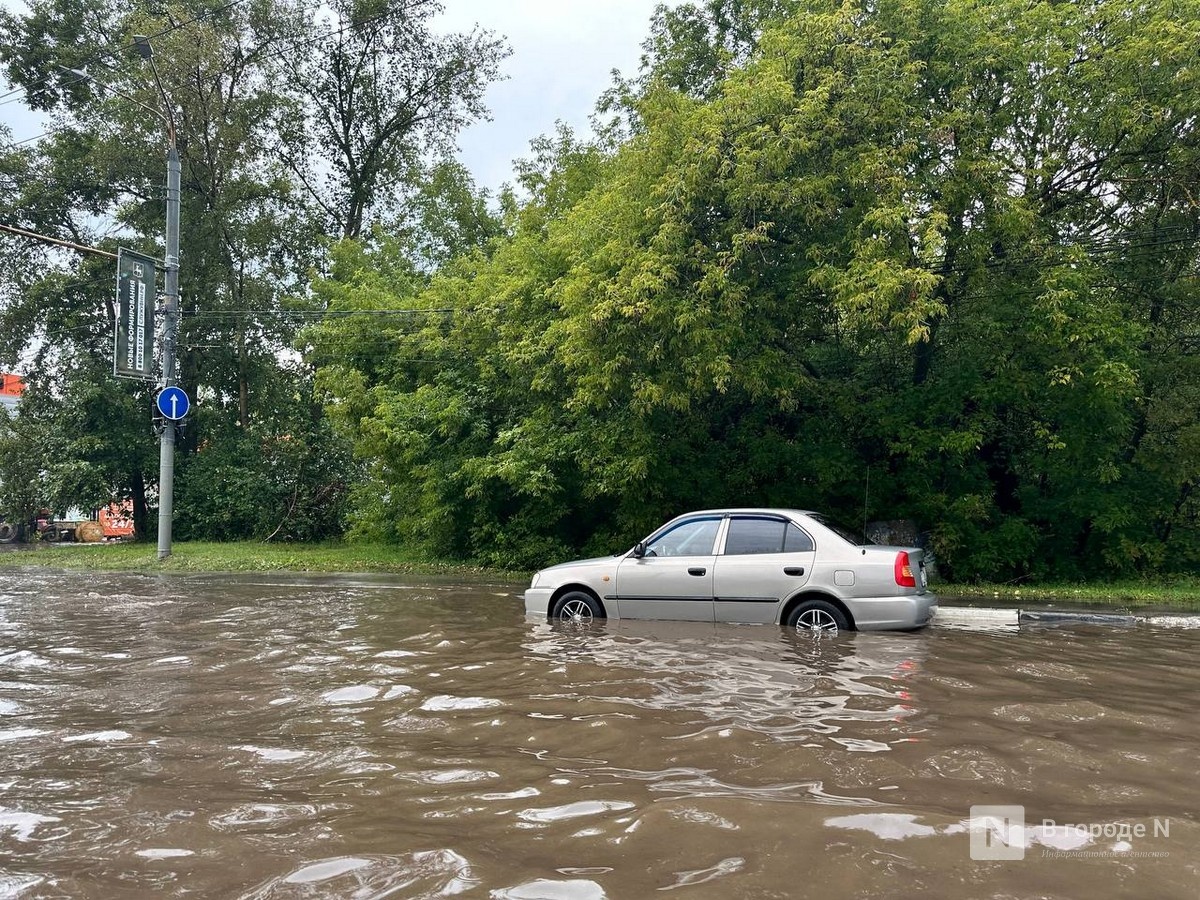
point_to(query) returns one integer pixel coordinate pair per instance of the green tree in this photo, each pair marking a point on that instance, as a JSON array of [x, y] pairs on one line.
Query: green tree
[[940, 241], [245, 87], [375, 92]]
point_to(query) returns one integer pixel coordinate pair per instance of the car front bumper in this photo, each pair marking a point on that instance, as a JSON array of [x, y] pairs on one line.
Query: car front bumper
[[537, 601]]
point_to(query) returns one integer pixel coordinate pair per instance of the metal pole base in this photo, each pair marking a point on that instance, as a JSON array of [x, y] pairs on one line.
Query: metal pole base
[[166, 489]]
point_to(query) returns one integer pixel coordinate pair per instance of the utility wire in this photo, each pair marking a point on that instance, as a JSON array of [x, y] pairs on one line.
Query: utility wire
[[322, 313]]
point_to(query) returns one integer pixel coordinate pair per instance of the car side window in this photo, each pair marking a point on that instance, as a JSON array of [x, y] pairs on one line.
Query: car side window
[[796, 540], [748, 536], [759, 535], [692, 538]]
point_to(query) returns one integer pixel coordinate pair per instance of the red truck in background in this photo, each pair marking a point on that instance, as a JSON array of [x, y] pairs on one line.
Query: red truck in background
[[111, 523], [11, 388]]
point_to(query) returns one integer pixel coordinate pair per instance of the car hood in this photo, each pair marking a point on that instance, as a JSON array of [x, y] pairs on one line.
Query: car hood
[[594, 561]]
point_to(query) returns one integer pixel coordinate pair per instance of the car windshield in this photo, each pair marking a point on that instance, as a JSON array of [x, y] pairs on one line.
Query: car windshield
[[846, 534]]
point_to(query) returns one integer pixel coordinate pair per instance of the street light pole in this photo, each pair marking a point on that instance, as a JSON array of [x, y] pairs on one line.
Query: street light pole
[[166, 446]]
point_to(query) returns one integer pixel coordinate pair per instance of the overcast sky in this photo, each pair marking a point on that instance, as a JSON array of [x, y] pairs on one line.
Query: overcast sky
[[563, 55]]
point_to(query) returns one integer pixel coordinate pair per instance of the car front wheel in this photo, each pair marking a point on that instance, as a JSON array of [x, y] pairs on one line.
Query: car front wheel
[[818, 616], [577, 608]]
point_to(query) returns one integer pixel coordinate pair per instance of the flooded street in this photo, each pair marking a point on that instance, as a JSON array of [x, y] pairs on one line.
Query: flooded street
[[278, 737]]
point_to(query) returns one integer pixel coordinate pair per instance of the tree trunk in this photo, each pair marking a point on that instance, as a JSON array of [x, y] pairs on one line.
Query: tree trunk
[[137, 488], [243, 382]]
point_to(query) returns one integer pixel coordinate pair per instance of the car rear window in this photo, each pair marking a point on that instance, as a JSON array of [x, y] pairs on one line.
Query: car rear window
[[842, 531], [747, 536]]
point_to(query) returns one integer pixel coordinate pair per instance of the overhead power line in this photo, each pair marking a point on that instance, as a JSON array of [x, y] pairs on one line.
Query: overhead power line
[[319, 313]]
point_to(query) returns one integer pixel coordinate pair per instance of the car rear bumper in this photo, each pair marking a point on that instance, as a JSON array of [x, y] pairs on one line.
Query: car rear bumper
[[537, 601], [879, 613]]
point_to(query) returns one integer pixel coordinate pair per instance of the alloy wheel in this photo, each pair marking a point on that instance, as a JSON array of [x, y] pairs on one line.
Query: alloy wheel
[[816, 620], [575, 611]]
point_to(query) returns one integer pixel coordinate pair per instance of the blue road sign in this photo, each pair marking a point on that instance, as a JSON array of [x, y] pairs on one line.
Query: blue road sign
[[173, 403]]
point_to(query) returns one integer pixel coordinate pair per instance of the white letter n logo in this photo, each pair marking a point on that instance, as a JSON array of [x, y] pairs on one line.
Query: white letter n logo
[[997, 832]]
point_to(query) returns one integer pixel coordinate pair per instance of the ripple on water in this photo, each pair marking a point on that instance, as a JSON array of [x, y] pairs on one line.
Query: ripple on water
[[15, 885], [19, 734], [519, 794], [450, 776], [24, 659], [355, 693], [446, 703], [547, 889], [728, 866], [1061, 712], [973, 764], [22, 825], [546, 815], [275, 754], [702, 817], [164, 853], [263, 817], [99, 737], [888, 826], [430, 873]]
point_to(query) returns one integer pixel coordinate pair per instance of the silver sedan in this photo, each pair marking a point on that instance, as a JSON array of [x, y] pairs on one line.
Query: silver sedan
[[782, 566]]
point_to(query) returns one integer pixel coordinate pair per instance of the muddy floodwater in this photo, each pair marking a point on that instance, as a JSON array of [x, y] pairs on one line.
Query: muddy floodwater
[[275, 737]]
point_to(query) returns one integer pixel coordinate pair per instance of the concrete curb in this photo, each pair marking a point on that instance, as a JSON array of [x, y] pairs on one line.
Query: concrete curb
[[998, 617], [977, 617]]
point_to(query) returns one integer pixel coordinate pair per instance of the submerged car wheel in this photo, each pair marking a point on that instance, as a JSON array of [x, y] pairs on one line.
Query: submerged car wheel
[[818, 616], [577, 608]]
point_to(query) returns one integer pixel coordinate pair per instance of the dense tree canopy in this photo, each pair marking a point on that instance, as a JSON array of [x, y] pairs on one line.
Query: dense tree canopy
[[297, 124], [946, 245], [946, 248]]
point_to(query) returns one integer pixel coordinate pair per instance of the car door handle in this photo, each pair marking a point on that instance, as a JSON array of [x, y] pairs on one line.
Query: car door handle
[[697, 570], [793, 570]]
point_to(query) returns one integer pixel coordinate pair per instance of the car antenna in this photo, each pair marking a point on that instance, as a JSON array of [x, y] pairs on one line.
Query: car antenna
[[866, 500]]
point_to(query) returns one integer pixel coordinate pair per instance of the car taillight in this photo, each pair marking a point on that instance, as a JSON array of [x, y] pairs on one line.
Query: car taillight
[[904, 572]]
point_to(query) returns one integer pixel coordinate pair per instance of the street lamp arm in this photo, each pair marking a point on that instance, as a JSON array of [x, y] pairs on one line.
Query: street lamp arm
[[167, 120], [170, 120]]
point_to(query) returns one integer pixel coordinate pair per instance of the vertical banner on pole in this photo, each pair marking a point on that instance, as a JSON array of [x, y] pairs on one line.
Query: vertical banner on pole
[[133, 349]]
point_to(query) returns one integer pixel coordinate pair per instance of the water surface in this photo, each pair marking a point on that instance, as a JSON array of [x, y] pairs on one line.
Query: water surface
[[274, 737]]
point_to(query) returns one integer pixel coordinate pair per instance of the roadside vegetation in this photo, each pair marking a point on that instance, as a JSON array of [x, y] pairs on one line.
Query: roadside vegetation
[[935, 258]]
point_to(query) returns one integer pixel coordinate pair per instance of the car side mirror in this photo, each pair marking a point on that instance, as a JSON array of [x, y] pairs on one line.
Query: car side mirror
[[639, 550]]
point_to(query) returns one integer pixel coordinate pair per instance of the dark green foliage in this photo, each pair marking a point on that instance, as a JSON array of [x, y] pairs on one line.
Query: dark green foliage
[[286, 479], [294, 125], [949, 244]]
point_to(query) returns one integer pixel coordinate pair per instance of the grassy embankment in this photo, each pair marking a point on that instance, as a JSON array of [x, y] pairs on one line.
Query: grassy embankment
[[249, 556], [243, 556], [1169, 594]]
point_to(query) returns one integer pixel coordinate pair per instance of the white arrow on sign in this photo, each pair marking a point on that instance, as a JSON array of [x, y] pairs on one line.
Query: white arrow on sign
[[173, 403]]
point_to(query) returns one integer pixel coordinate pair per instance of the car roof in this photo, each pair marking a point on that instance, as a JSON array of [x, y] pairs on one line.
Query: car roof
[[749, 510]]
